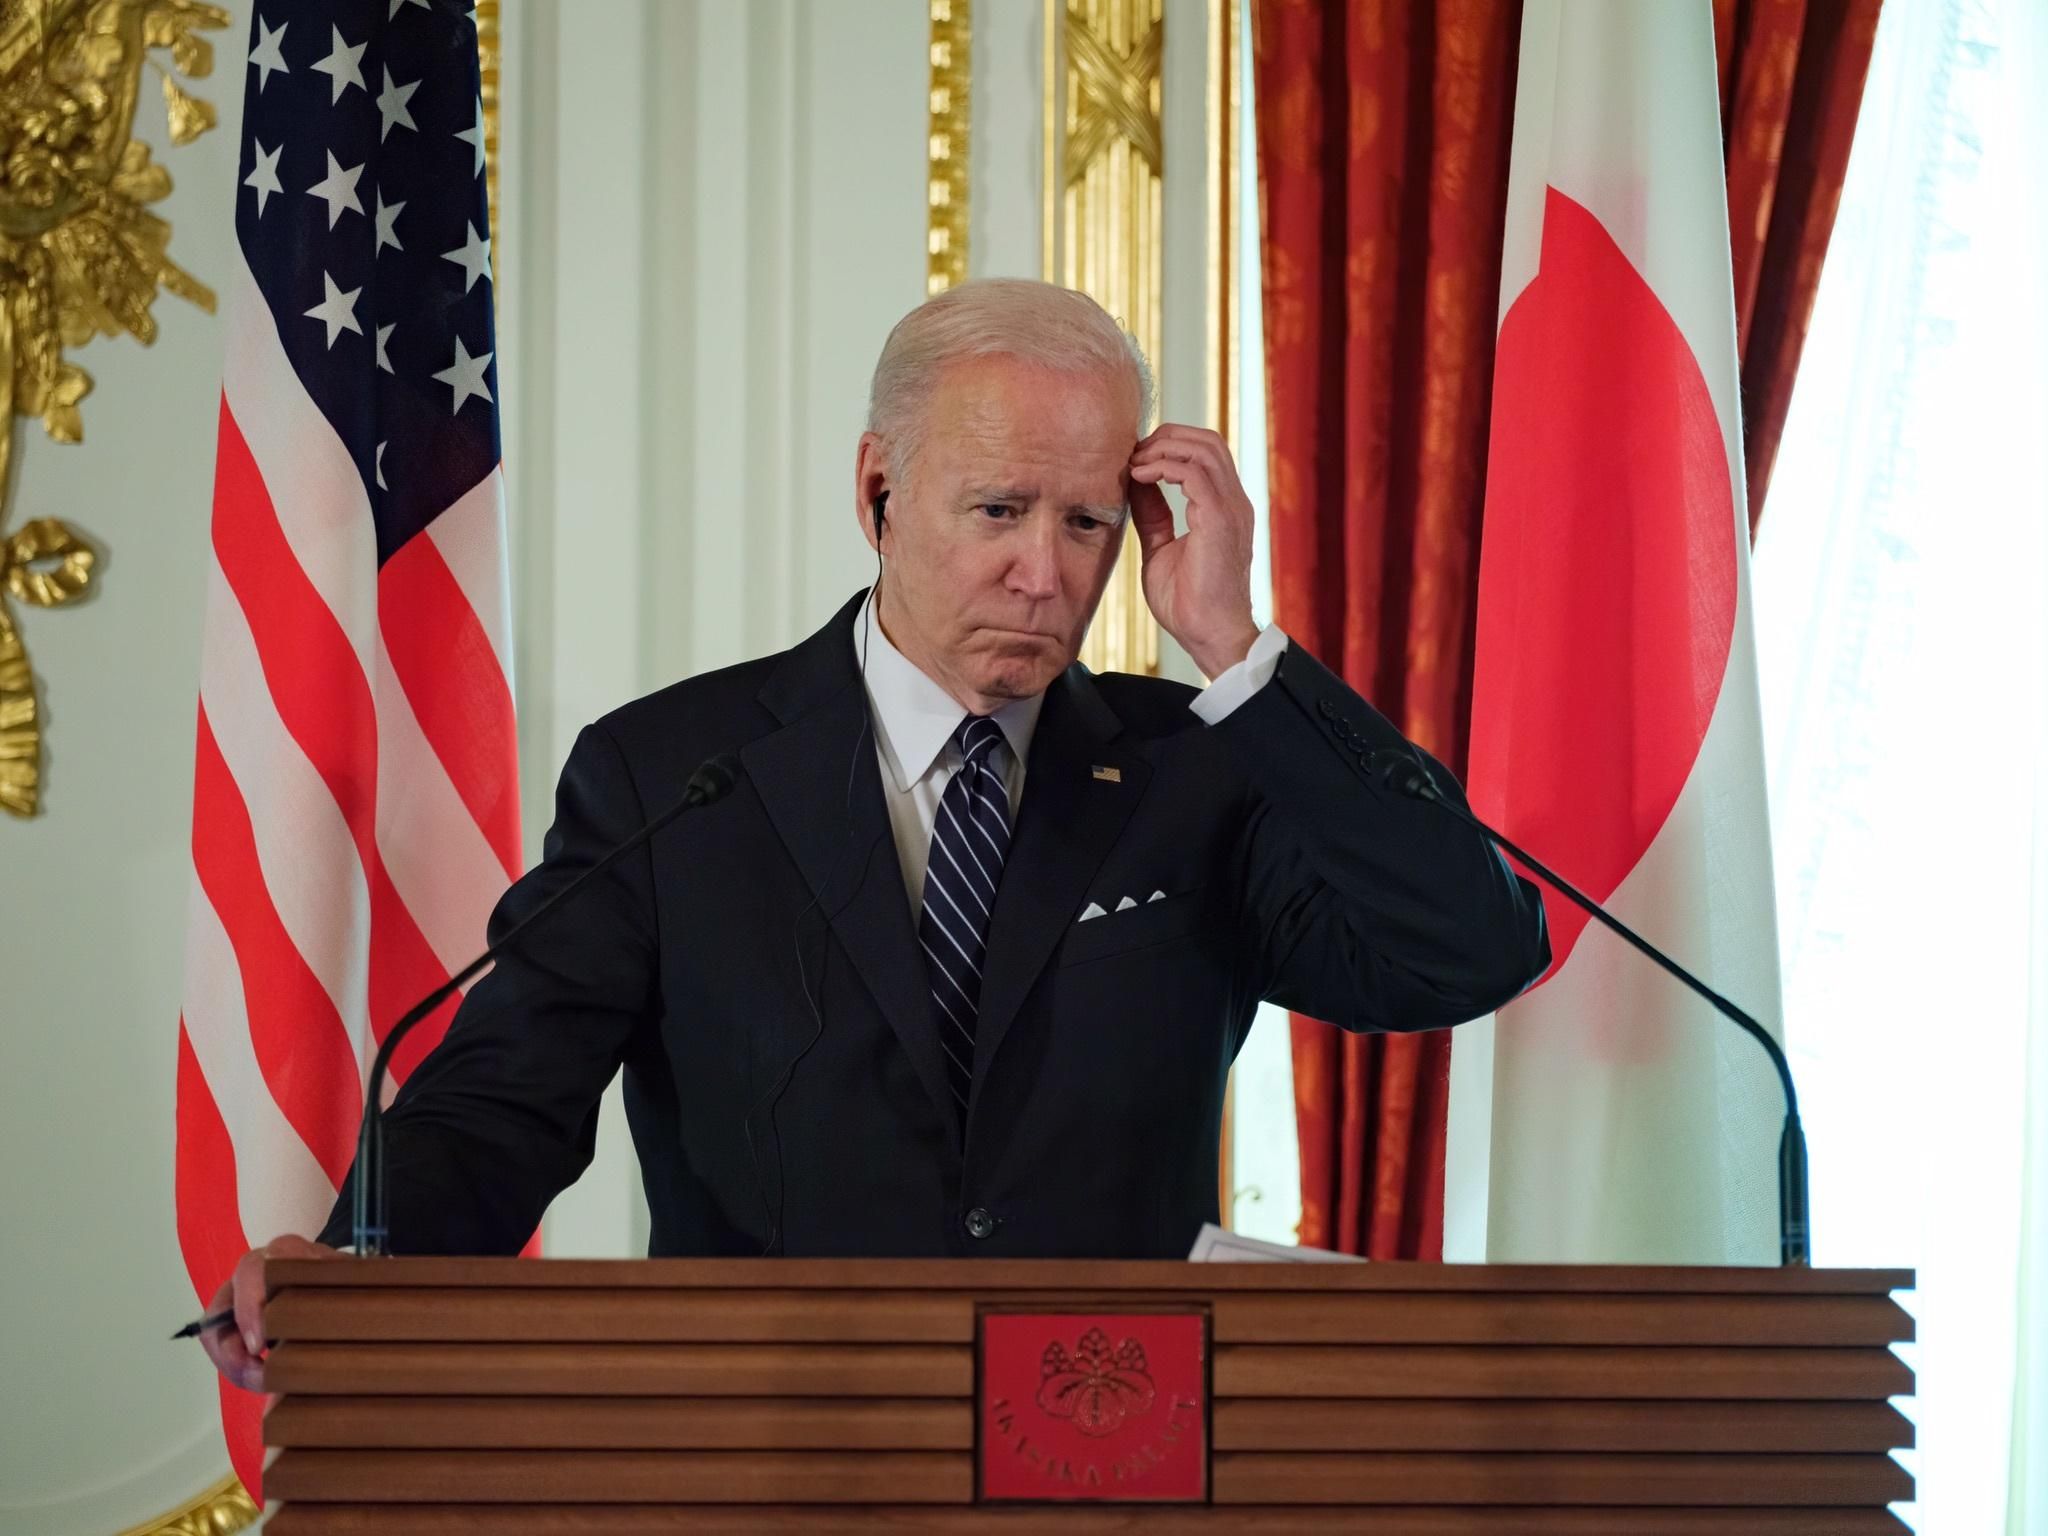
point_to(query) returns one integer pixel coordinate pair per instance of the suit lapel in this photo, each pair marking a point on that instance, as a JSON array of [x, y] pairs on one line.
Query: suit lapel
[[846, 853], [1069, 820]]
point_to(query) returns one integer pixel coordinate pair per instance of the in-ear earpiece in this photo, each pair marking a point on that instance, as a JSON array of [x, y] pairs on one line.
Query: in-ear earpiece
[[881, 509]]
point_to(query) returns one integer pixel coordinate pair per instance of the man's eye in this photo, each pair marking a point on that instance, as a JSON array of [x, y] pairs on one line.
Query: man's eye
[[996, 509]]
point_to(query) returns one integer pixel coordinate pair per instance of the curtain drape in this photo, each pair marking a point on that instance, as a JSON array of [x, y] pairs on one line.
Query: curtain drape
[[1383, 133]]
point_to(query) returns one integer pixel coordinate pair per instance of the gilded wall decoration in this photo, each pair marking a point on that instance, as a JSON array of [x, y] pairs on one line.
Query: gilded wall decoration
[[946, 145], [81, 256], [1104, 169]]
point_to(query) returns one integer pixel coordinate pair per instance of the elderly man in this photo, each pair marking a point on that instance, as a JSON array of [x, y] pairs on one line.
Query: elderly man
[[960, 965]]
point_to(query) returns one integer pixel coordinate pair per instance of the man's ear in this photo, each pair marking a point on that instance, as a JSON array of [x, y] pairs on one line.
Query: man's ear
[[872, 482]]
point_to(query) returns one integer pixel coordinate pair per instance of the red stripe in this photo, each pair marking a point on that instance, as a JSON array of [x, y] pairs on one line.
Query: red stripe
[[303, 1047], [210, 1236], [321, 695], [209, 1211], [452, 679]]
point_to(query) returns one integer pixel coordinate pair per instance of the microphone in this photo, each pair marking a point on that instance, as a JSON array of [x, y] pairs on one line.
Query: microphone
[[1405, 776], [712, 782]]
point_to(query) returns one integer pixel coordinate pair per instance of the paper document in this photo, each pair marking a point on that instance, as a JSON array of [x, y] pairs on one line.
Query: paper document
[[1213, 1245]]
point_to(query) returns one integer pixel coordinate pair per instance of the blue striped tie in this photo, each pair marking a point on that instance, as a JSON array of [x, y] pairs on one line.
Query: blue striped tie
[[968, 847]]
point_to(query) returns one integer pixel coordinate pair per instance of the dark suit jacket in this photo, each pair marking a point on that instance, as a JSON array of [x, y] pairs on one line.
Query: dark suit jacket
[[756, 972]]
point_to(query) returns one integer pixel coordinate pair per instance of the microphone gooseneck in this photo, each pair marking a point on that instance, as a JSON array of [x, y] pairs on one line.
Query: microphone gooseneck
[[712, 781], [1405, 776]]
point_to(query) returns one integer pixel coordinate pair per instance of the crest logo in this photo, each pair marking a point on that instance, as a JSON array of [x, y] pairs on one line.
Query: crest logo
[[1095, 1389], [1093, 1405]]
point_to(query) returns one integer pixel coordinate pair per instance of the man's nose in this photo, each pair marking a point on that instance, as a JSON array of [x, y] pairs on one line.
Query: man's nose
[[1035, 570]]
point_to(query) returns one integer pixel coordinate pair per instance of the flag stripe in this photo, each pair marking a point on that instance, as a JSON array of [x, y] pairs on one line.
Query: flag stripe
[[209, 1224], [444, 871], [278, 1178], [470, 538], [444, 661], [310, 483], [322, 696], [309, 861], [307, 1059]]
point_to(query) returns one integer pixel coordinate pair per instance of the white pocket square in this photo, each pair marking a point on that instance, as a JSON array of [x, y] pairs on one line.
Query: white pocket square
[[1125, 905], [1091, 910]]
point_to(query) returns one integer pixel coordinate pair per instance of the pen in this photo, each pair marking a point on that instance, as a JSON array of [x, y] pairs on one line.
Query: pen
[[193, 1329]]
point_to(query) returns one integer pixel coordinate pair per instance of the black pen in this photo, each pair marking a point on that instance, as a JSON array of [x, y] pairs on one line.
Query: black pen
[[192, 1330]]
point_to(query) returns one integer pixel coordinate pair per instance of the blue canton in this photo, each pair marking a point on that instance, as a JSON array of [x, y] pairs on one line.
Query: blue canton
[[360, 211]]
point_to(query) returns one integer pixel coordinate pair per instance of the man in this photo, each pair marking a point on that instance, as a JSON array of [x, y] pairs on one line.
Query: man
[[960, 965]]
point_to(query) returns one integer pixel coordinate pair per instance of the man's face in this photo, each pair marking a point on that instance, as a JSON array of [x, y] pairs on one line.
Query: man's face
[[999, 547]]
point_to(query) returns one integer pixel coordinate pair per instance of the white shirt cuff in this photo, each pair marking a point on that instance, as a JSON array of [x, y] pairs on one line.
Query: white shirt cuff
[[1215, 702]]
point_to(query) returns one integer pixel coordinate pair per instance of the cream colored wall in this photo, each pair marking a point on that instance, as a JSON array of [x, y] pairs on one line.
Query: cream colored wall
[[712, 212]]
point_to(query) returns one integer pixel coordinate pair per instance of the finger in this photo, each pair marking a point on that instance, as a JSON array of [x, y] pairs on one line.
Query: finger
[[249, 1294], [1152, 517], [223, 1345]]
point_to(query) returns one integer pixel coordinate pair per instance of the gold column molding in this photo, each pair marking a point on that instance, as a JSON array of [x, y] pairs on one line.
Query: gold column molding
[[947, 157], [81, 256], [1104, 167]]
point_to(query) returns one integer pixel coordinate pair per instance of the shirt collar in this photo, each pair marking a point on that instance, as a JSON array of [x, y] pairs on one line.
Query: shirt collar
[[914, 716]]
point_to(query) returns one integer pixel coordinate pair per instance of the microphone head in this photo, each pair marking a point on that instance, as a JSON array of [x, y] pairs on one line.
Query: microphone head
[[714, 779]]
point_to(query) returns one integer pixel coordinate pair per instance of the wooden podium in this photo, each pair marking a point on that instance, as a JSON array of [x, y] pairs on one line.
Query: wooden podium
[[572, 1398]]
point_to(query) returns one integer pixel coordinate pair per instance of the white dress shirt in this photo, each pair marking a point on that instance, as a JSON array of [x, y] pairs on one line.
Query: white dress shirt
[[915, 720]]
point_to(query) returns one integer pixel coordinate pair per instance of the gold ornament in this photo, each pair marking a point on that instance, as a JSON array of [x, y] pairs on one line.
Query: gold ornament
[[222, 1510], [1104, 204], [946, 145], [81, 256]]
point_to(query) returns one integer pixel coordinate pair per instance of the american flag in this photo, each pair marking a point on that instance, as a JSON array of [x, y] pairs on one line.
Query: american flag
[[355, 807]]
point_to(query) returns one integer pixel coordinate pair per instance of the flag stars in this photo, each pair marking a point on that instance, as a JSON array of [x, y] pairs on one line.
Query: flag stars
[[387, 223], [465, 376], [475, 135], [474, 258], [337, 311], [268, 55], [338, 188], [391, 105], [383, 341], [263, 176], [380, 466], [399, 5], [344, 65]]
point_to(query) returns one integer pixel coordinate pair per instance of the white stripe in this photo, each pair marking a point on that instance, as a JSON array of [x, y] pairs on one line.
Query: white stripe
[[941, 966], [932, 882], [321, 504], [439, 860], [311, 868], [967, 844], [964, 1068], [993, 845], [279, 1186], [471, 537], [939, 923], [1002, 814], [941, 843]]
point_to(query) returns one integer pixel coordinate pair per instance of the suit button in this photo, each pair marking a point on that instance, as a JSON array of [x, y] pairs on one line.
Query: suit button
[[979, 1223], [1328, 707]]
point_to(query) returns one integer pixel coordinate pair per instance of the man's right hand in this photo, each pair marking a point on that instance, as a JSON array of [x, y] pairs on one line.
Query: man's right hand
[[238, 1349]]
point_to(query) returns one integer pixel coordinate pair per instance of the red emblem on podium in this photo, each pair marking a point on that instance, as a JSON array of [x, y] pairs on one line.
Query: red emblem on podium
[[1094, 1406]]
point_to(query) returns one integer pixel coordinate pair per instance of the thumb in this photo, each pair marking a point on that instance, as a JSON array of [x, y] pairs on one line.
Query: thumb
[[1152, 517]]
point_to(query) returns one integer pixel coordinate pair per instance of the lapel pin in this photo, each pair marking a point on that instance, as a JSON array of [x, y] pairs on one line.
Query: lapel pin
[[1109, 775]]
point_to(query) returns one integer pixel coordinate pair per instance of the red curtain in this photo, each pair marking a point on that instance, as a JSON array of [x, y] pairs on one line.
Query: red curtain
[[1383, 138]]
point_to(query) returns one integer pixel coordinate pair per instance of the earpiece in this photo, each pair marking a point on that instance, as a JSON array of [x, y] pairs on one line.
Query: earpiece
[[881, 509]]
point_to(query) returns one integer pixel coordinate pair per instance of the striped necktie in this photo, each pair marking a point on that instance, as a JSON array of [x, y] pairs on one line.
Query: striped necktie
[[969, 843]]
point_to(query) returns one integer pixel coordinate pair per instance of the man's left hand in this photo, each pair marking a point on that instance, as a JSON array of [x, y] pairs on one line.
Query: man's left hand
[[1198, 585]]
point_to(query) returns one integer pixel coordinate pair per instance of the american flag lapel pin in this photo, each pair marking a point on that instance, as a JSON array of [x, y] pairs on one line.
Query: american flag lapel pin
[[1109, 775]]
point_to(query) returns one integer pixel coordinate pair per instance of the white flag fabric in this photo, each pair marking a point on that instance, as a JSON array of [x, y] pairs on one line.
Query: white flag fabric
[[1616, 730]]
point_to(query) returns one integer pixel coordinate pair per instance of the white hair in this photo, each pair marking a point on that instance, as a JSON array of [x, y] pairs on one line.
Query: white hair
[[1039, 323]]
